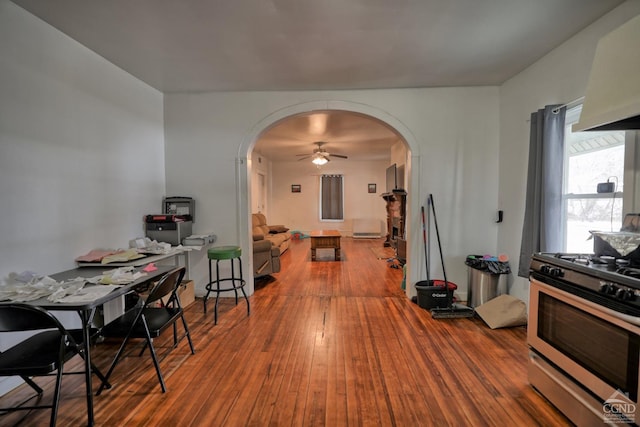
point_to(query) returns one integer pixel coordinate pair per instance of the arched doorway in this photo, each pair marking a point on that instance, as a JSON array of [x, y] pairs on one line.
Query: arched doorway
[[405, 135]]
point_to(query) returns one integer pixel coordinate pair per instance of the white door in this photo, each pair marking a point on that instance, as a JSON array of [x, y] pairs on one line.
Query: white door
[[260, 197]]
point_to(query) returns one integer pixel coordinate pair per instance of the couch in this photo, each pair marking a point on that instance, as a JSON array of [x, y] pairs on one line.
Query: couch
[[269, 242]]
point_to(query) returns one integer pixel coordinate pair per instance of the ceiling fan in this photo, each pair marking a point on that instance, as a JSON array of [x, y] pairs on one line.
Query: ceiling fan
[[320, 156]]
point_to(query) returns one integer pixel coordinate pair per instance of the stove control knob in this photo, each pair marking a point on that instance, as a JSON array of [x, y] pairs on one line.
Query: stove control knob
[[625, 294], [608, 288], [556, 272], [551, 270]]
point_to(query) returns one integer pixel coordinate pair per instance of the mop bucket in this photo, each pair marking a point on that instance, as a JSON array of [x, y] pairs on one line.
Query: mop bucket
[[433, 294]]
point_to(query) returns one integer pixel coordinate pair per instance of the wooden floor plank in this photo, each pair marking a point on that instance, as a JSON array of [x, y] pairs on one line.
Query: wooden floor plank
[[327, 343]]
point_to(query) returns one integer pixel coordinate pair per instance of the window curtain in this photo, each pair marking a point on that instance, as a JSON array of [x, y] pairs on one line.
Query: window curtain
[[332, 197], [542, 230]]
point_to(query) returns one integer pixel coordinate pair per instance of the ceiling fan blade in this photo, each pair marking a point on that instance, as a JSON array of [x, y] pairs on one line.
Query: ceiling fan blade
[[339, 155], [306, 156]]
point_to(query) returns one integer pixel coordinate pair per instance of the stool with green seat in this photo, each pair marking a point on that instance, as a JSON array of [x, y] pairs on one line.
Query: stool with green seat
[[221, 253]]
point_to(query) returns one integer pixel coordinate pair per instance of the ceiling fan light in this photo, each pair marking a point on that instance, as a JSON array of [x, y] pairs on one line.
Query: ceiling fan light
[[319, 159]]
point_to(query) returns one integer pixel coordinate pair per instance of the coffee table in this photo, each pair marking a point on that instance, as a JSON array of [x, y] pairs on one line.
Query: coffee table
[[325, 239]]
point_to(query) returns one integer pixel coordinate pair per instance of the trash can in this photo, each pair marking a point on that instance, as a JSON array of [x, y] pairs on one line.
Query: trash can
[[486, 277]]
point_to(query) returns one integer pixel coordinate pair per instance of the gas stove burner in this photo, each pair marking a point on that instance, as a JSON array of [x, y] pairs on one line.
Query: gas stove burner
[[579, 258], [608, 261], [630, 272], [620, 262], [583, 261], [566, 257], [614, 263]]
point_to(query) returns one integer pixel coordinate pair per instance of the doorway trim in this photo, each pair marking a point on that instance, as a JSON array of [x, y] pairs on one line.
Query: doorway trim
[[243, 174]]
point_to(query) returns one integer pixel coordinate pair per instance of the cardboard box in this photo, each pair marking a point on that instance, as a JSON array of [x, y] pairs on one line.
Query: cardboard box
[[186, 293]]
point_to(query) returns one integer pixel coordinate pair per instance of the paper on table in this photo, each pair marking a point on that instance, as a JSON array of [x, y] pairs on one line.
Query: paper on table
[[96, 255], [120, 276], [89, 293], [150, 267], [123, 256], [30, 286], [14, 289], [66, 288]]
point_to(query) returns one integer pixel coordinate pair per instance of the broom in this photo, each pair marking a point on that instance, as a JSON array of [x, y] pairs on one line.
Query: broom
[[452, 310]]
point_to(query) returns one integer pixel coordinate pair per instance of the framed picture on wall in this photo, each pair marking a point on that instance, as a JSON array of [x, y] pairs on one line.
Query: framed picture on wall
[[372, 188], [296, 188]]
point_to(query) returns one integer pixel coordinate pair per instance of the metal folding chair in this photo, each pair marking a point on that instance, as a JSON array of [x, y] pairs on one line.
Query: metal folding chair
[[149, 320], [42, 354]]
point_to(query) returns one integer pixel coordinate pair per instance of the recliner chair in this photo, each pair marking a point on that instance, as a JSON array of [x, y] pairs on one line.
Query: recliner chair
[[266, 258]]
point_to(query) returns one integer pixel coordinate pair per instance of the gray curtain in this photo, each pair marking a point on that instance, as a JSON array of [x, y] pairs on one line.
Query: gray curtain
[[332, 197], [542, 230]]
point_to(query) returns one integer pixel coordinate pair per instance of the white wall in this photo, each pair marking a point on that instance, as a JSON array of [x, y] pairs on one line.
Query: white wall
[[81, 151], [452, 132], [559, 77], [81, 148], [300, 211]]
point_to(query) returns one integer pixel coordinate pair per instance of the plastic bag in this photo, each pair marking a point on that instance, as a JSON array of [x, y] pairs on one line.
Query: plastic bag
[[491, 264]]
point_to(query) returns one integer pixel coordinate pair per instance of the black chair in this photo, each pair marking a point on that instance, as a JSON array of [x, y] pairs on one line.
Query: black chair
[[149, 320], [39, 355]]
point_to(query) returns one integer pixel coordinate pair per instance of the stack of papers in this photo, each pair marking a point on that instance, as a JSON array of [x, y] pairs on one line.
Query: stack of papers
[[106, 256], [96, 255], [120, 276], [28, 286], [25, 287], [123, 256]]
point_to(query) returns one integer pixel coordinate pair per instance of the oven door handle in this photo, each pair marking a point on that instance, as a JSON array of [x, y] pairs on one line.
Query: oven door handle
[[597, 307]]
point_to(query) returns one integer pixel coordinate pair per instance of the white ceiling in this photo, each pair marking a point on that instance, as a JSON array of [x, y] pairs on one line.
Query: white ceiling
[[345, 133], [264, 45]]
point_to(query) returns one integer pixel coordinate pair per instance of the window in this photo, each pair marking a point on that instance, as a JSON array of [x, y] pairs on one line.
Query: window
[[331, 198], [591, 158]]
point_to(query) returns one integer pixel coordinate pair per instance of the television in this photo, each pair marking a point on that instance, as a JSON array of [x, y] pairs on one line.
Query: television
[[395, 178], [392, 178]]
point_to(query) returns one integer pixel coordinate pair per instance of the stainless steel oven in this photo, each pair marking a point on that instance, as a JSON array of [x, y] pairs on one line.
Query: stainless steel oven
[[584, 339]]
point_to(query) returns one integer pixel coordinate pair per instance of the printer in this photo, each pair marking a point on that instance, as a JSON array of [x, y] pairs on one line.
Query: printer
[[168, 228]]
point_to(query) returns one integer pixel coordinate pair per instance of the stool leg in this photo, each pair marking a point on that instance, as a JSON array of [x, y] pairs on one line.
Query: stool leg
[[215, 317], [233, 277], [208, 288], [242, 288]]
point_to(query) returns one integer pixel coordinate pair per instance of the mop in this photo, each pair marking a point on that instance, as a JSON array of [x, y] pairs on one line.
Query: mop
[[424, 241], [452, 310]]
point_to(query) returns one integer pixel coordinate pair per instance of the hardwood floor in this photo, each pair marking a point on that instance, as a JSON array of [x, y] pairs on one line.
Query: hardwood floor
[[327, 344]]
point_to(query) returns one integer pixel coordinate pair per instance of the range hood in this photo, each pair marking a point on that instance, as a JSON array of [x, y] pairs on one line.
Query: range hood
[[612, 100]]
